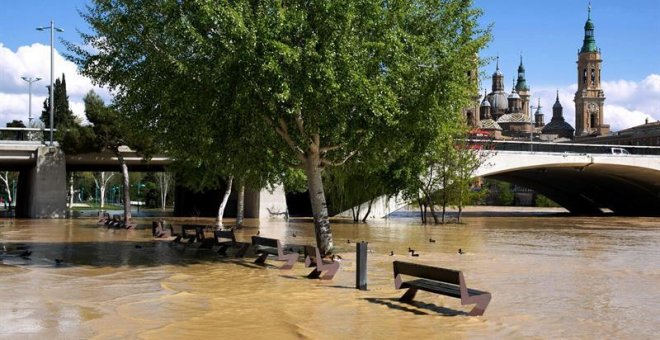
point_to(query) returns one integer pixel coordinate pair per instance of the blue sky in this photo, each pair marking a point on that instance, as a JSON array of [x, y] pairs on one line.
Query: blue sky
[[547, 33]]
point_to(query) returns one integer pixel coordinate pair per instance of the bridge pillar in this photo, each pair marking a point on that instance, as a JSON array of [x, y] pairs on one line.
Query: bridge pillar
[[46, 185], [266, 204]]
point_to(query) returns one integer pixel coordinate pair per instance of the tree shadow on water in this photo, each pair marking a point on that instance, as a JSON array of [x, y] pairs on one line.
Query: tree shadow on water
[[394, 303], [143, 253]]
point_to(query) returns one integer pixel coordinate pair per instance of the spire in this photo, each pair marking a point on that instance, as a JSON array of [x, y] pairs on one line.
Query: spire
[[589, 43], [521, 84], [557, 104], [498, 78], [538, 107]]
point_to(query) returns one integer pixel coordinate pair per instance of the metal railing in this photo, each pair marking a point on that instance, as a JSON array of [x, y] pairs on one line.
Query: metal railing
[[17, 134], [526, 146]]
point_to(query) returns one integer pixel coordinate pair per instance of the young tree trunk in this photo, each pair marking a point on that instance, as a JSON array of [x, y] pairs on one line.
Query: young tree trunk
[[5, 179], [71, 191], [319, 206], [364, 220], [127, 187], [240, 204], [356, 217], [164, 179], [444, 210], [223, 203], [460, 212]]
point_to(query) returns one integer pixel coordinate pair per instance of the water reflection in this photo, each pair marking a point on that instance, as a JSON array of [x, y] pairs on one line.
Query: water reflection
[[550, 277]]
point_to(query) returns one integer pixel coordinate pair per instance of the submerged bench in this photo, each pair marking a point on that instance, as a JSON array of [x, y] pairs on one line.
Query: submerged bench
[[226, 239], [264, 246], [440, 281], [313, 259]]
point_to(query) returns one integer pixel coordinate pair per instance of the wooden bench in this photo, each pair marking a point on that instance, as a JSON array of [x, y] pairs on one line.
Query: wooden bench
[[226, 239], [264, 246], [440, 281], [313, 259], [158, 230]]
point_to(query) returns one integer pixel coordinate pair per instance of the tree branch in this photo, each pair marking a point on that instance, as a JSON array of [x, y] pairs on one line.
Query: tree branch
[[329, 148], [283, 131], [326, 162]]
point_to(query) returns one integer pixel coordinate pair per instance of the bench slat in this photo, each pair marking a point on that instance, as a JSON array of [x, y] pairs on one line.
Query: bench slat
[[427, 272]]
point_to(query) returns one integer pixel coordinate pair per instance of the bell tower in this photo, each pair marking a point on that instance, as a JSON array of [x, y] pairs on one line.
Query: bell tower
[[589, 97]]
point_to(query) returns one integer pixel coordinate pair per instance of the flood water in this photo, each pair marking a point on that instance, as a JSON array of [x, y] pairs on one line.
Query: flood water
[[550, 277]]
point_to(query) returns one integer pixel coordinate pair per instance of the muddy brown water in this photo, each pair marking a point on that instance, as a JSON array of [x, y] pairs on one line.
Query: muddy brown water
[[551, 277]]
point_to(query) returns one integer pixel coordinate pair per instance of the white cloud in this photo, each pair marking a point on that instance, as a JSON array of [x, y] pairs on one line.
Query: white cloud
[[627, 103], [34, 61]]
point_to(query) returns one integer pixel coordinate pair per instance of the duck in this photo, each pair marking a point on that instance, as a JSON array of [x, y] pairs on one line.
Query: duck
[[391, 252], [460, 251], [431, 240], [348, 241], [294, 235]]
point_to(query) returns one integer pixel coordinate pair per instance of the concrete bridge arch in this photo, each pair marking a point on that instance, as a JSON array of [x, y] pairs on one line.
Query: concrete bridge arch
[[583, 183]]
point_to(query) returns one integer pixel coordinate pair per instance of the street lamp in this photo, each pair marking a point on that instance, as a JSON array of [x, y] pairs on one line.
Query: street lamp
[[52, 29], [30, 80]]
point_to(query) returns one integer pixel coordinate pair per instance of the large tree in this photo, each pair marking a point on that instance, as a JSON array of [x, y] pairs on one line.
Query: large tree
[[108, 131], [62, 114], [311, 84]]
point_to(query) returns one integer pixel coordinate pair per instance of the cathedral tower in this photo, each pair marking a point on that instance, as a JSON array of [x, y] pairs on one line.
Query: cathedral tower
[[589, 97], [522, 88]]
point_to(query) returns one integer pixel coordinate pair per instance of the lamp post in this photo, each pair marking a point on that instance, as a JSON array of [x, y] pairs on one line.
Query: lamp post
[[52, 29], [30, 80]]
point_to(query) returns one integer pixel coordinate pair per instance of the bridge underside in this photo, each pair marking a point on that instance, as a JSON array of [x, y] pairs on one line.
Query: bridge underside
[[587, 190]]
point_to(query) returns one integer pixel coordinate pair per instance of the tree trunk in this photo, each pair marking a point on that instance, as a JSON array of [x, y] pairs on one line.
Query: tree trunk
[[444, 210], [71, 191], [460, 212], [319, 207], [223, 203], [240, 204], [127, 187], [364, 220]]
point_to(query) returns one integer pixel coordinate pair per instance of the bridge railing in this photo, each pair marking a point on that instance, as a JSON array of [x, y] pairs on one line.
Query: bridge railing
[[16, 134], [526, 146]]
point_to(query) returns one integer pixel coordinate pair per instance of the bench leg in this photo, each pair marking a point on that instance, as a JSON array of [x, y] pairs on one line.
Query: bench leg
[[290, 260], [408, 295], [482, 302], [261, 259], [207, 243], [242, 249], [223, 250], [315, 274], [332, 269]]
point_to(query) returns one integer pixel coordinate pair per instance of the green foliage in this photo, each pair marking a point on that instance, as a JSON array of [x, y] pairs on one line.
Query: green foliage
[[62, 114], [255, 87], [543, 201]]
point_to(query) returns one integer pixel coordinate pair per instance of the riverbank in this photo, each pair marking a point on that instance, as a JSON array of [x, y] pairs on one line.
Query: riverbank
[[485, 211]]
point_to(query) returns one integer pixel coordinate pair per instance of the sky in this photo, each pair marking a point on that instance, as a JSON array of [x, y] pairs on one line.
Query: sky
[[547, 34]]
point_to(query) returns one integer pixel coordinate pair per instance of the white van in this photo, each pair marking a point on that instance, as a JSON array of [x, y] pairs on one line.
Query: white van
[[620, 151]]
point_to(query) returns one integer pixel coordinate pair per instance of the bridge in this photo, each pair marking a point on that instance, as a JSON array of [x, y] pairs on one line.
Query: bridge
[[583, 178]]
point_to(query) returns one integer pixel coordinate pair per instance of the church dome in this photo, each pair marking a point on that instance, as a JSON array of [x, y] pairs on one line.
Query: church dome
[[558, 127], [485, 102], [498, 100], [557, 105], [514, 95]]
